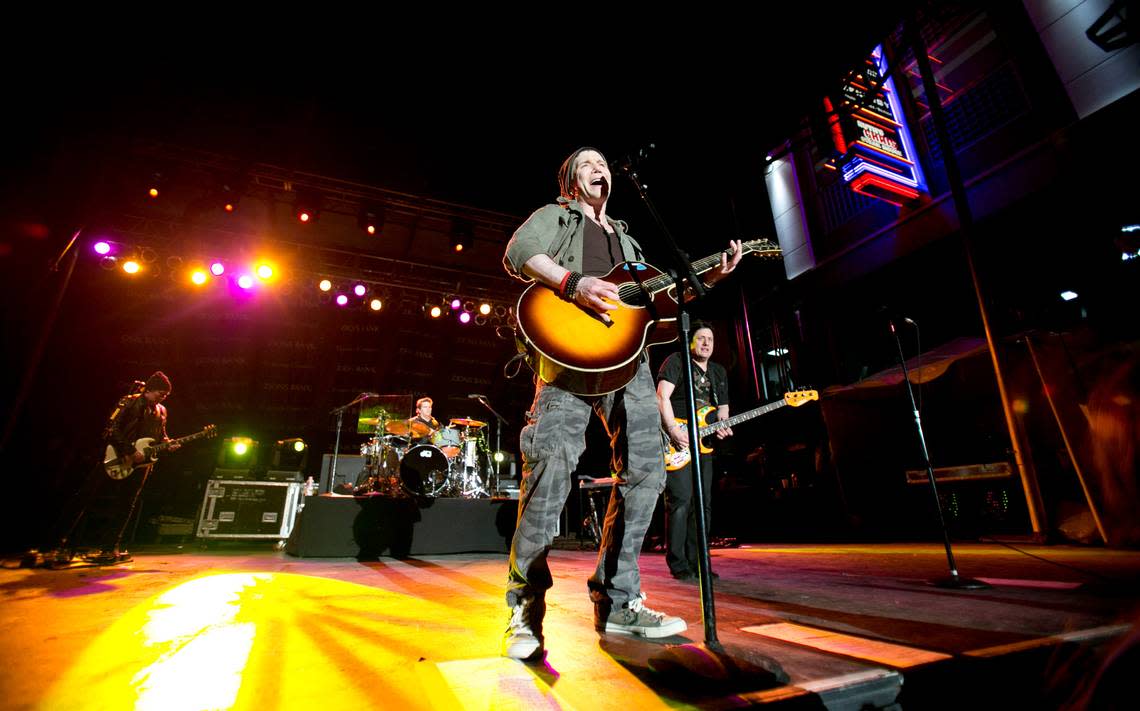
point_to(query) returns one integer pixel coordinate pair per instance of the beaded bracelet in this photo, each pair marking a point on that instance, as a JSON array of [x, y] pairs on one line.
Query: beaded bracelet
[[571, 286]]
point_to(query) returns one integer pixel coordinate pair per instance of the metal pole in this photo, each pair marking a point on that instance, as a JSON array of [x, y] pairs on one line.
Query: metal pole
[[965, 224], [1068, 444]]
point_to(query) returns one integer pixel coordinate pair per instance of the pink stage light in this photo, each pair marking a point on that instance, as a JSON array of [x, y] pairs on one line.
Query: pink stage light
[[102, 248], [359, 290], [245, 281], [464, 317], [341, 300], [456, 304]]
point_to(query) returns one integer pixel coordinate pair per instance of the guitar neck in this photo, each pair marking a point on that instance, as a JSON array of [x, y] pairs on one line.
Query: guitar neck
[[742, 417], [700, 266], [188, 438]]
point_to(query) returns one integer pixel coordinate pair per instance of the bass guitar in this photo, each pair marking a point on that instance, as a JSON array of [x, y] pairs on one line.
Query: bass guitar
[[678, 458], [572, 347], [120, 466]]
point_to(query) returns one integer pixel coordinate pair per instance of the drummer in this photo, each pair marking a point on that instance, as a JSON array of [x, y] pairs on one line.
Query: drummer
[[422, 419]]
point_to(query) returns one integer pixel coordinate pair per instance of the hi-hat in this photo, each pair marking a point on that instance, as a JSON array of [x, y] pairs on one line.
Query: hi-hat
[[460, 422]]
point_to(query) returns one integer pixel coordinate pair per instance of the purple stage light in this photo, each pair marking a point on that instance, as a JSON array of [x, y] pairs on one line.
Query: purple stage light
[[102, 248], [341, 300], [464, 317]]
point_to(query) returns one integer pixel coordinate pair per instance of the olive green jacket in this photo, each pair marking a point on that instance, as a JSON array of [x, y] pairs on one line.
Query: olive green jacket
[[556, 230]]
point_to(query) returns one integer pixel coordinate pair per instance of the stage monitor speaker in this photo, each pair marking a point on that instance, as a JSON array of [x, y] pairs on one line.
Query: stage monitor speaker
[[232, 474], [348, 469], [284, 475]]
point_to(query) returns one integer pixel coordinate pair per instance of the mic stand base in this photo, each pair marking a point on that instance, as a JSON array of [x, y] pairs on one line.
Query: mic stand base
[[727, 668], [956, 582]]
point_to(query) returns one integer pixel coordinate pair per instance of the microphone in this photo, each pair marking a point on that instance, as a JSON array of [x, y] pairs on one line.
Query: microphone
[[891, 314], [630, 160], [477, 396]]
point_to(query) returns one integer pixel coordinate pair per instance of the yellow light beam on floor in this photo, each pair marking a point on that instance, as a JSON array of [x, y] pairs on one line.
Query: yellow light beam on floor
[[236, 640]]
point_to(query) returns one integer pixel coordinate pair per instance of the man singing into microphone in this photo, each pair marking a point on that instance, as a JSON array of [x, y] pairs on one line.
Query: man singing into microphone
[[567, 246]]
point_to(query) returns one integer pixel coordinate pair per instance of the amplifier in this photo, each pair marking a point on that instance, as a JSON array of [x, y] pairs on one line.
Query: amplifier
[[248, 509], [996, 470]]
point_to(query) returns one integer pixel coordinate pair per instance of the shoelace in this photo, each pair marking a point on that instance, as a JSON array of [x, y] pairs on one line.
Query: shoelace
[[517, 621], [637, 606]]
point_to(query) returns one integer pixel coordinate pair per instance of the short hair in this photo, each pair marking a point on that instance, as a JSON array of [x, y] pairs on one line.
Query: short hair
[[421, 401], [569, 166], [698, 325]]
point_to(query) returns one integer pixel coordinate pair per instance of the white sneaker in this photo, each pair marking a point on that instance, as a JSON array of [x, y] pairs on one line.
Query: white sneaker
[[635, 618], [523, 638]]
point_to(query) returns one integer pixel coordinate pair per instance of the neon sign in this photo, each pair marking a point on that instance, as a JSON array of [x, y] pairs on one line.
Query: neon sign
[[876, 152]]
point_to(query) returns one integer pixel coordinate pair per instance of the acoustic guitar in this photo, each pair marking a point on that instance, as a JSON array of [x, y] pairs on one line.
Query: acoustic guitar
[[572, 347]]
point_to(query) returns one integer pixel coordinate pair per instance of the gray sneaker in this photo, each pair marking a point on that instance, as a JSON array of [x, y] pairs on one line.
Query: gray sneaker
[[635, 618], [523, 638]]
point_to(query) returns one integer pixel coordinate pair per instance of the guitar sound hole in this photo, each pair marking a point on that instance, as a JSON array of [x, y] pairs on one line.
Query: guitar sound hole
[[632, 295]]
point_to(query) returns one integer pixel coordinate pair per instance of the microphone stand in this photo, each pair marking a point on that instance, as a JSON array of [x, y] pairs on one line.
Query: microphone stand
[[500, 421], [339, 412], [693, 659], [953, 581]]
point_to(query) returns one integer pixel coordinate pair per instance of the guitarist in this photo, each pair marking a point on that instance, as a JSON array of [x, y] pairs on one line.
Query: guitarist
[[566, 246], [137, 415], [710, 387]]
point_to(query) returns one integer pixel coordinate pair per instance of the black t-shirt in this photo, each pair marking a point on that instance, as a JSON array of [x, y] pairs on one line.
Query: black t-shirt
[[433, 424], [709, 387], [137, 418], [601, 250]]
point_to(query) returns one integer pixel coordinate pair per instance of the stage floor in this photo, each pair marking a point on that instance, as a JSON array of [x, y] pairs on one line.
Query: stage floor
[[246, 626]]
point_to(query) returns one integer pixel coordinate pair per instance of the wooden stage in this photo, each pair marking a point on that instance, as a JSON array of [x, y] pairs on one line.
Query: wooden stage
[[853, 626]]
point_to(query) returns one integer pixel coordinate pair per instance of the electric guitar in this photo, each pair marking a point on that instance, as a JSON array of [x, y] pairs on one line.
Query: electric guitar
[[678, 458], [120, 467], [573, 348]]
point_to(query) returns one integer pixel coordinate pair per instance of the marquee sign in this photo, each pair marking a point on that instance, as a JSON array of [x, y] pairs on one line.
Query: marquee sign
[[876, 153]]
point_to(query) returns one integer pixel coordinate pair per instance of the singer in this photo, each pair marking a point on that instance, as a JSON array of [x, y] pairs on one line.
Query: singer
[[567, 246]]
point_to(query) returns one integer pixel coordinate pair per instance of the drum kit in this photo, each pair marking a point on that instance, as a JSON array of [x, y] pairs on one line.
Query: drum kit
[[409, 458]]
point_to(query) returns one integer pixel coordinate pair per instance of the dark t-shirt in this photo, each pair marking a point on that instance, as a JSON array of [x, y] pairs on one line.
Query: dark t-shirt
[[600, 250], [709, 388], [138, 418], [433, 424]]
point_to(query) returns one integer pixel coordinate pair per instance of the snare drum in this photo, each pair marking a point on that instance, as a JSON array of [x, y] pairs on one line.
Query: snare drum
[[448, 440], [424, 470]]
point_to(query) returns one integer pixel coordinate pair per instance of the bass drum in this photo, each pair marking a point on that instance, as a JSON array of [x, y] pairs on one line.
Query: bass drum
[[424, 471]]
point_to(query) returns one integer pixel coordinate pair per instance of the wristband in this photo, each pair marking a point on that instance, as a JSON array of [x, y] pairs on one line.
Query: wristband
[[572, 285]]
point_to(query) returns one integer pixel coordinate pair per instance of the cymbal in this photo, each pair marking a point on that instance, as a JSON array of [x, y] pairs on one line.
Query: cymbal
[[403, 428], [397, 427], [460, 422], [369, 421]]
